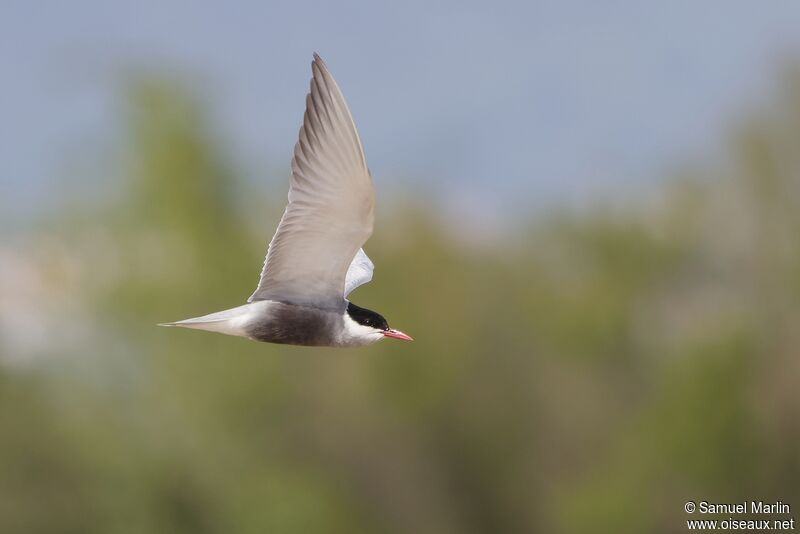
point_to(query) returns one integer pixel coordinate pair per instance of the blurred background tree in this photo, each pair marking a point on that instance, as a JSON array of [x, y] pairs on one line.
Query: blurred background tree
[[589, 372]]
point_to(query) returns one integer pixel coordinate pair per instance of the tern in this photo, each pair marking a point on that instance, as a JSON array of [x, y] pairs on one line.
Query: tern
[[315, 259]]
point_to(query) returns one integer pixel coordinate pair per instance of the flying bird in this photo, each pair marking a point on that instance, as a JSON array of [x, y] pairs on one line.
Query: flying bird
[[315, 259]]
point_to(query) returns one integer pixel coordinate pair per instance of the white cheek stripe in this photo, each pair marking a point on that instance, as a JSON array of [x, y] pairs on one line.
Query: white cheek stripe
[[358, 334]]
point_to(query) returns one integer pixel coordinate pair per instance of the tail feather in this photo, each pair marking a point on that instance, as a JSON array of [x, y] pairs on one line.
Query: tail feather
[[230, 321]]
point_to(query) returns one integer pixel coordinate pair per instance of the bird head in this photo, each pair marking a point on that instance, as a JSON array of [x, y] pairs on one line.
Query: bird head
[[372, 326]]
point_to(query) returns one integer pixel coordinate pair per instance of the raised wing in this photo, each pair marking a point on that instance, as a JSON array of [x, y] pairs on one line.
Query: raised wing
[[359, 273], [331, 206]]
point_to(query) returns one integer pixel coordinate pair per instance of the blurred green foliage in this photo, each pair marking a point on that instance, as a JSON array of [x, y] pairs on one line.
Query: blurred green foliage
[[588, 373]]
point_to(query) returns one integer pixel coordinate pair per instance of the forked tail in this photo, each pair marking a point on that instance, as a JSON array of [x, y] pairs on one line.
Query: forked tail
[[230, 321]]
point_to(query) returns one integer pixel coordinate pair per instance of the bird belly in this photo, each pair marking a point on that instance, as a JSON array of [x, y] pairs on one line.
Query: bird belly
[[290, 324]]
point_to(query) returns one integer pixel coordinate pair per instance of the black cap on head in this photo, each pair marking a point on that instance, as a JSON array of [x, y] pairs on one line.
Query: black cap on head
[[366, 317]]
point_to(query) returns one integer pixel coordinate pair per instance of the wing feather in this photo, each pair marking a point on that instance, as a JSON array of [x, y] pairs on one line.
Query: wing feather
[[331, 207], [359, 273]]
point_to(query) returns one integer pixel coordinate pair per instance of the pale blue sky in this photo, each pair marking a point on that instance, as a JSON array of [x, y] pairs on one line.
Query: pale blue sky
[[530, 103]]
